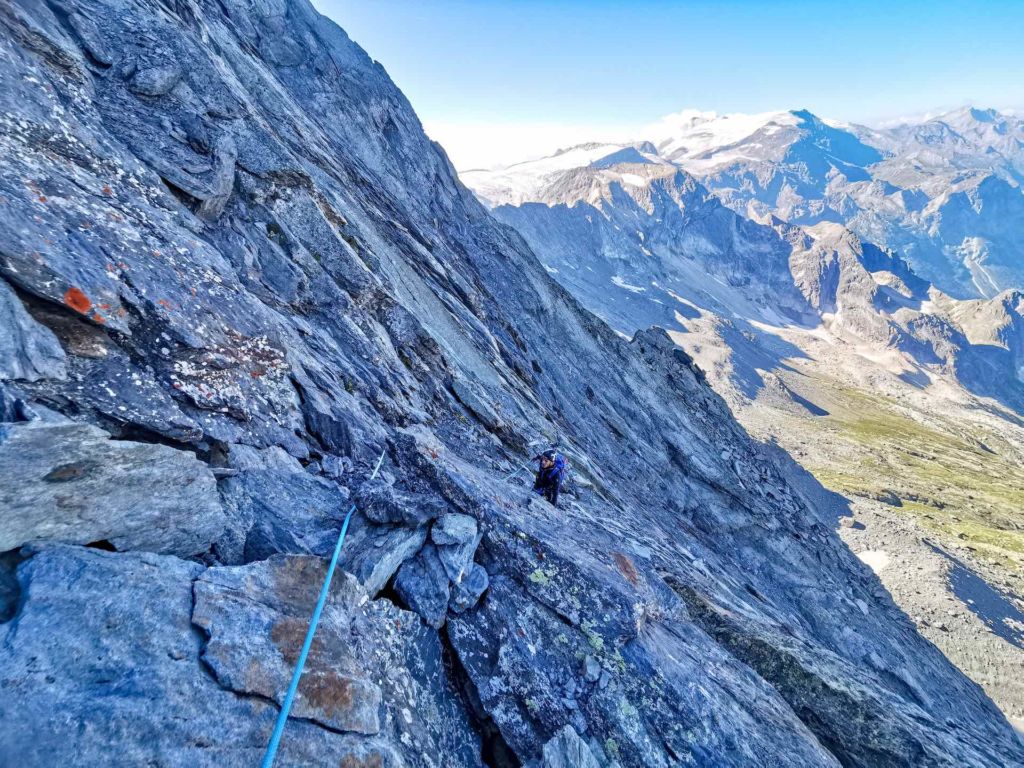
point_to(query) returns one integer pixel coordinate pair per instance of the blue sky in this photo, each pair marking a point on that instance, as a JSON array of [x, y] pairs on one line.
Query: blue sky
[[496, 80]]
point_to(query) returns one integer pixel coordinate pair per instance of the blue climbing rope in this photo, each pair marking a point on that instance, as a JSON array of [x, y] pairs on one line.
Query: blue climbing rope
[[286, 707]]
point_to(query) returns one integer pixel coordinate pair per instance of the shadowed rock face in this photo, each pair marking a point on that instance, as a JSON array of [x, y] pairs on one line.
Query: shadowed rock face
[[231, 221]]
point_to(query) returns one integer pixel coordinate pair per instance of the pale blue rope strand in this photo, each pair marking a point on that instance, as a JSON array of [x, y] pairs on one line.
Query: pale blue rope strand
[[282, 717]]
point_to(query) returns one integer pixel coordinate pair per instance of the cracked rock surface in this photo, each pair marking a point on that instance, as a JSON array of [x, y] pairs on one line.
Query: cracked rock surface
[[251, 256]]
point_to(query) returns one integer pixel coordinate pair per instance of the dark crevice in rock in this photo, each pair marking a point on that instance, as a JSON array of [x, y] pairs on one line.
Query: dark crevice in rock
[[494, 750], [389, 593], [754, 593], [102, 544], [10, 587], [137, 433], [183, 197]]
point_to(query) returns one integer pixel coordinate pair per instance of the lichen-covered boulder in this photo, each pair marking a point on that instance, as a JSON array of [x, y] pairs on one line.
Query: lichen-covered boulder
[[156, 660]]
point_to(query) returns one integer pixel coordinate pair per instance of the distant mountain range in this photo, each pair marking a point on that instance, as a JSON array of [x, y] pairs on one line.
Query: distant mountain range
[[945, 193], [634, 233]]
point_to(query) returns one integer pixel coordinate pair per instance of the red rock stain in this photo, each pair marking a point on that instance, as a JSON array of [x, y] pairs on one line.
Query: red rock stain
[[77, 300]]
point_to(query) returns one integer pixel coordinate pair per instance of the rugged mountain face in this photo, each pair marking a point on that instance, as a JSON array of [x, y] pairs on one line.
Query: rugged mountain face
[[232, 260], [634, 242]]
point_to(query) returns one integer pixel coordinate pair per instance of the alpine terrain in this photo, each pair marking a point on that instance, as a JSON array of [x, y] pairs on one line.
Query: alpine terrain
[[235, 272], [901, 398]]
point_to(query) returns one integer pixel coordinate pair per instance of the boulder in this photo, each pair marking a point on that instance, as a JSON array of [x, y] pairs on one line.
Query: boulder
[[261, 612], [373, 553], [383, 503], [277, 506], [453, 528], [70, 482], [466, 593], [373, 669], [157, 80], [103, 664], [456, 537], [335, 466], [457, 558], [423, 584]]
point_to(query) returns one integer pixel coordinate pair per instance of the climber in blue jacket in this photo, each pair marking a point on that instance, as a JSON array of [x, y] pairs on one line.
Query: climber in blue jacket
[[551, 475]]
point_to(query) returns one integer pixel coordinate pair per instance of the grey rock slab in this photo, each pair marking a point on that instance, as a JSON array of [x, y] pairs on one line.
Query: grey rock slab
[[453, 528], [28, 350], [477, 405], [277, 506], [107, 382], [423, 584], [72, 483], [466, 593], [567, 750], [247, 457], [383, 503]]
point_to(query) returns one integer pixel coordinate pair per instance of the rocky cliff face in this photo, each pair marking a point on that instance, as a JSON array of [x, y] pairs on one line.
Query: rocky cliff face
[[235, 271]]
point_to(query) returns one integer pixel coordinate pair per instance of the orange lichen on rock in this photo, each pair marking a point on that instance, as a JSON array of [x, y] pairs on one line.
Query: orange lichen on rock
[[77, 300], [626, 568]]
